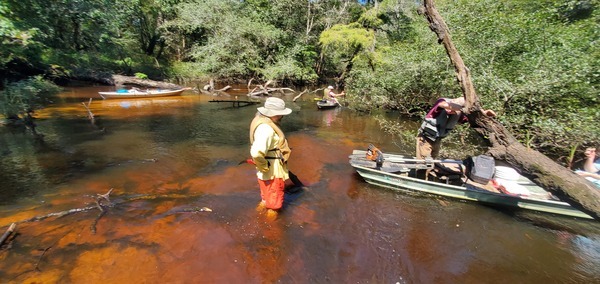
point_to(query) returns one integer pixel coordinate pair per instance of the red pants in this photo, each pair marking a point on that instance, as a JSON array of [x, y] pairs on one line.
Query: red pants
[[271, 191]]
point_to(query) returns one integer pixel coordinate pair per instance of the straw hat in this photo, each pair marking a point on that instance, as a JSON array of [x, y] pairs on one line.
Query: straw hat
[[330, 87], [273, 107]]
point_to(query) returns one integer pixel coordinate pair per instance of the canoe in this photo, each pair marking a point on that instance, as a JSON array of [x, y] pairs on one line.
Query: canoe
[[398, 173], [323, 104], [140, 94]]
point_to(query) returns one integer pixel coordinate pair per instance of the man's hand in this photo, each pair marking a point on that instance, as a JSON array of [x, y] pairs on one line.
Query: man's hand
[[262, 165], [489, 113]]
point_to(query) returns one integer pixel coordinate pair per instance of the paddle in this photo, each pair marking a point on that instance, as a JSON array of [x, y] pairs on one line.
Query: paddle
[[294, 178]]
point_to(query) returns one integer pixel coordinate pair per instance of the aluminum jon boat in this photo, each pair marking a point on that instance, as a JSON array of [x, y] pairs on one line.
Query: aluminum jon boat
[[141, 94], [398, 173]]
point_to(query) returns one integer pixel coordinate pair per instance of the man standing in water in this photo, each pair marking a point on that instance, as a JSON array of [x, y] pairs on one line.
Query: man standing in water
[[438, 123], [270, 153]]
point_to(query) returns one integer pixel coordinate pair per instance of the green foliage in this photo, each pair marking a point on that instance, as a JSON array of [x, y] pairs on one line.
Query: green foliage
[[288, 69], [23, 97], [344, 44], [232, 50], [226, 39], [242, 40], [390, 18], [409, 76], [347, 38], [186, 72], [16, 43], [141, 75], [81, 37]]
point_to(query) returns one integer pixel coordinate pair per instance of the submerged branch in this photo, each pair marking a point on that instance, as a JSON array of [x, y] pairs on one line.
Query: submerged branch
[[95, 206], [8, 232]]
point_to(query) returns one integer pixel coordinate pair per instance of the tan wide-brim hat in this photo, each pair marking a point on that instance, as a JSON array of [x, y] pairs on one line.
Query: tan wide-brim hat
[[273, 107]]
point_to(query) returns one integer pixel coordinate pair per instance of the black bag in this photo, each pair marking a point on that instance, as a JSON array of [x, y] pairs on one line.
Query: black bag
[[480, 168]]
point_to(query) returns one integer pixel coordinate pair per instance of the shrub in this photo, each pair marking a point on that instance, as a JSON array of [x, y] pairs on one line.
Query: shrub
[[20, 98]]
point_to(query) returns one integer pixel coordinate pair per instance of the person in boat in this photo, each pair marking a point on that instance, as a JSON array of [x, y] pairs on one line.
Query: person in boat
[[329, 95], [591, 167], [270, 153], [438, 123]]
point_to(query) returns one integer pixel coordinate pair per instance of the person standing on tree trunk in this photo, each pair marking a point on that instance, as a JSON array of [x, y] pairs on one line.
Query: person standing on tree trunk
[[270, 153], [438, 123], [591, 167]]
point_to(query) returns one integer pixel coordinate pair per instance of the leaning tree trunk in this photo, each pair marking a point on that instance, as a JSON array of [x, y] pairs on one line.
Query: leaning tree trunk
[[545, 172]]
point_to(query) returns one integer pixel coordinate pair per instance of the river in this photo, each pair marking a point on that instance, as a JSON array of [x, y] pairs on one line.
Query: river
[[183, 209]]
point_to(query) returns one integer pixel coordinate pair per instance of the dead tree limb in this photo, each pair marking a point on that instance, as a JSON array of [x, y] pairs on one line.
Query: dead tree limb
[[250, 83], [210, 86], [105, 197], [192, 210], [299, 95], [9, 231], [58, 214], [99, 198], [92, 207], [545, 172], [268, 91], [37, 264], [264, 89], [223, 89], [90, 113], [44, 251], [95, 223]]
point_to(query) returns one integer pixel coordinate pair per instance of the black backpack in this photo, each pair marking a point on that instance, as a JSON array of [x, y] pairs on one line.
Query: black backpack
[[480, 168]]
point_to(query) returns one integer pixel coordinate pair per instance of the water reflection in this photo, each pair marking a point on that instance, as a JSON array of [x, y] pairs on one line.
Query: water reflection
[[166, 158], [141, 103], [330, 115]]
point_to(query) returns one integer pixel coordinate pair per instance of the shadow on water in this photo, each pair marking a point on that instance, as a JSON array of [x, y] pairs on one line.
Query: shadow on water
[[184, 209]]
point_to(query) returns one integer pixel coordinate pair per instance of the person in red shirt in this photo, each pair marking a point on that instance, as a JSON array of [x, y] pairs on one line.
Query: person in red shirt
[[438, 123]]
